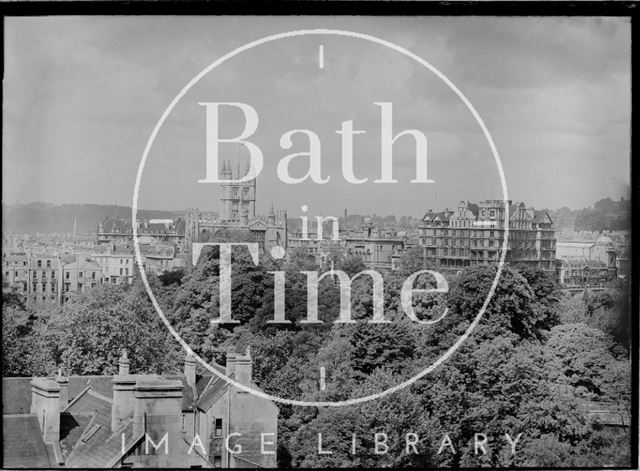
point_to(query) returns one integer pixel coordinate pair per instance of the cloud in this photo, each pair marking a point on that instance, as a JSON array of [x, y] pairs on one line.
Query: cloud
[[83, 93]]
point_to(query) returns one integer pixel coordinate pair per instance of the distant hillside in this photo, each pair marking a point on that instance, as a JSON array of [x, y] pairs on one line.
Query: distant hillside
[[49, 218], [605, 214]]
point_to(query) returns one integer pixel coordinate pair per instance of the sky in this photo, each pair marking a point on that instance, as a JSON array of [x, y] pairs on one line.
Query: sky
[[83, 94]]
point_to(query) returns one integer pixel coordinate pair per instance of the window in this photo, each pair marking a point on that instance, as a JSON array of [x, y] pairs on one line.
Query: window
[[93, 275], [66, 275], [218, 428], [44, 274], [121, 271], [79, 286], [80, 275], [53, 274], [39, 263], [48, 263]]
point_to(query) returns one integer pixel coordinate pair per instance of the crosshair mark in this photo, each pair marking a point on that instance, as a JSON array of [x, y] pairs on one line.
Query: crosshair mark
[[321, 56], [322, 378]]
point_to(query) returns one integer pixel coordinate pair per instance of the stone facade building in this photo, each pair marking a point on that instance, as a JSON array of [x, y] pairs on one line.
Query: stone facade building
[[583, 272], [133, 420], [36, 277], [237, 214], [377, 248], [473, 234], [79, 277], [153, 231]]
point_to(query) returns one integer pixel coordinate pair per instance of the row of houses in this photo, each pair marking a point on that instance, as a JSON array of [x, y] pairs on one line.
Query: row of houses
[[53, 277]]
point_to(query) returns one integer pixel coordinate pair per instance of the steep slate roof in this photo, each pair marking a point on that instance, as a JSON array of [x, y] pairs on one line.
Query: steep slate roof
[[214, 390], [83, 265], [72, 426], [430, 216], [95, 447], [23, 445], [103, 448], [201, 383], [110, 225], [473, 207], [16, 395], [540, 215]]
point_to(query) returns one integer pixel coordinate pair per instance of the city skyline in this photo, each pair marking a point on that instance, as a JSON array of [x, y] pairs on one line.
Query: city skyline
[[554, 93]]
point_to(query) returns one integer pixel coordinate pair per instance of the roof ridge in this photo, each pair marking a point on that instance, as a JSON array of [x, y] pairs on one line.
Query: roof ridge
[[98, 395]]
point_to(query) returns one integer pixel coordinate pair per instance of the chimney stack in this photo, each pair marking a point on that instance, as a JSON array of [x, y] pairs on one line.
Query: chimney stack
[[241, 366], [63, 381], [190, 370], [123, 390], [45, 403], [158, 413]]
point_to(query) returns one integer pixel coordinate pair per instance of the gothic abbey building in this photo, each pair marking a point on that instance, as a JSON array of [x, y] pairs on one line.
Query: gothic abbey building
[[237, 213]]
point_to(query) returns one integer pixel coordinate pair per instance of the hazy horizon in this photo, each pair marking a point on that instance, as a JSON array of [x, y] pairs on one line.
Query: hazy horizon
[[82, 95]]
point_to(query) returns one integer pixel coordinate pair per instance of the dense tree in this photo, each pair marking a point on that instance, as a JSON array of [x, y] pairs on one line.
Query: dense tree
[[394, 415], [88, 334], [172, 277]]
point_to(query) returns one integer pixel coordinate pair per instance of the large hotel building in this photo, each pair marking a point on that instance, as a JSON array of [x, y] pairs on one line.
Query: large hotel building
[[473, 234]]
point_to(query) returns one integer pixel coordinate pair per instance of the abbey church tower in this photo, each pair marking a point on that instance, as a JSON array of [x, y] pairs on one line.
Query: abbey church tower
[[237, 200]]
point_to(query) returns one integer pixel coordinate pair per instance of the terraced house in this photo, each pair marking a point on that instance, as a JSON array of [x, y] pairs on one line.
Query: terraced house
[[36, 277]]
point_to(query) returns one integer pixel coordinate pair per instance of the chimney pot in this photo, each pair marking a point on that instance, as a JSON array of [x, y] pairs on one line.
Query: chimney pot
[[123, 364]]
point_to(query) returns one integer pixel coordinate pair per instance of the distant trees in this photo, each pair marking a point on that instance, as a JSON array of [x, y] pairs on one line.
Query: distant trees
[[605, 214]]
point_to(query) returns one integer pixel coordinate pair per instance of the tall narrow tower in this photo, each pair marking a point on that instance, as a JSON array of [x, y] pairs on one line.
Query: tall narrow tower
[[237, 200], [249, 195], [225, 192]]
